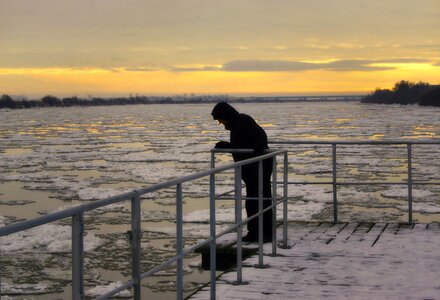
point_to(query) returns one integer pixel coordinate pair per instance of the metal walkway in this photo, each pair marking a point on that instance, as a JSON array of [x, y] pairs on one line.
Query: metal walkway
[[342, 261]]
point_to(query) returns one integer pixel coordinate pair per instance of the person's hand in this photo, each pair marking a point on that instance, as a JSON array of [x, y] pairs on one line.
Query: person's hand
[[223, 145]]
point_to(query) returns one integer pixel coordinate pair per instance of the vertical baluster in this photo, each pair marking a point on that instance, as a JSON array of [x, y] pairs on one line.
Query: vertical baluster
[[335, 199], [212, 238], [238, 220], [410, 196], [136, 244], [285, 198], [0, 274], [260, 216], [179, 241], [274, 208], [78, 256]]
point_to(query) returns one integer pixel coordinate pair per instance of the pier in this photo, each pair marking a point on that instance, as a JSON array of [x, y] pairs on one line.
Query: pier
[[341, 261]]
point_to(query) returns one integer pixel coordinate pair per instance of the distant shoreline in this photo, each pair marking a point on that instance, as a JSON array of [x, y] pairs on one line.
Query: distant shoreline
[[51, 101]]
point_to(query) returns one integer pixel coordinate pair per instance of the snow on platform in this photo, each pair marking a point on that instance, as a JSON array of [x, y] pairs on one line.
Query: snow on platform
[[342, 261]]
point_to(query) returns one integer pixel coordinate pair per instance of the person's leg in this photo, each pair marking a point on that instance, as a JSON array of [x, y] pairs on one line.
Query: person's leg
[[252, 207], [251, 179]]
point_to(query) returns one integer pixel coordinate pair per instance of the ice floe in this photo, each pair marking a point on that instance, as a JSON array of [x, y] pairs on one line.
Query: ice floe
[[46, 238], [103, 289]]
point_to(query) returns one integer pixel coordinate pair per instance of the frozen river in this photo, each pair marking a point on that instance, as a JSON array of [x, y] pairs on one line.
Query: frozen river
[[60, 157]]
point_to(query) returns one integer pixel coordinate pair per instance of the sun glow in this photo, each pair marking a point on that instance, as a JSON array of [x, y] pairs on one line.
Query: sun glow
[[116, 81]]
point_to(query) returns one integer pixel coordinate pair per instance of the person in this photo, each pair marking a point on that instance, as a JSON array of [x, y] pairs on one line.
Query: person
[[245, 133]]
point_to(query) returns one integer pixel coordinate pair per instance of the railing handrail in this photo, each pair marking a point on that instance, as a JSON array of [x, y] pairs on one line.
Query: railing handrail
[[69, 212]]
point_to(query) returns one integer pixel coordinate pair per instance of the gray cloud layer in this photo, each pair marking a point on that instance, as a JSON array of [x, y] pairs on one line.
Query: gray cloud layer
[[364, 65], [294, 66]]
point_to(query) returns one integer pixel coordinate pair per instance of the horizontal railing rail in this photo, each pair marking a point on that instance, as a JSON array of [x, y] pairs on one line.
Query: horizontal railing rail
[[77, 215], [335, 183]]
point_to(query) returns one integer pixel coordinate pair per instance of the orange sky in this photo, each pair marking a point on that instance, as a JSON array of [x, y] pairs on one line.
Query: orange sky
[[109, 48]]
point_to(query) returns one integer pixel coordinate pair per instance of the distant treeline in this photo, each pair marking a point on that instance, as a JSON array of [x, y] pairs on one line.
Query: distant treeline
[[7, 101], [405, 92]]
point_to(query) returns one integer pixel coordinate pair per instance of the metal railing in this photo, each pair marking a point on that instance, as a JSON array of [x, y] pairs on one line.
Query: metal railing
[[77, 216], [335, 183]]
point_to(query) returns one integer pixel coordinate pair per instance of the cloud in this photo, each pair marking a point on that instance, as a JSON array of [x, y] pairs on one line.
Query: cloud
[[267, 66], [403, 60], [364, 65], [195, 69], [353, 65], [143, 69]]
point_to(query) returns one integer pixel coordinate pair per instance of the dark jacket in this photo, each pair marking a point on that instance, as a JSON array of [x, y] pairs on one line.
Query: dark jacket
[[245, 133]]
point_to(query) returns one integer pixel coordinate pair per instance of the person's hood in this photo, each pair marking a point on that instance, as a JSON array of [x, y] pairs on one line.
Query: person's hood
[[224, 111]]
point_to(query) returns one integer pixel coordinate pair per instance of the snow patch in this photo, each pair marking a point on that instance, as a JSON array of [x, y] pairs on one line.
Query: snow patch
[[46, 238], [396, 192], [24, 289], [103, 289]]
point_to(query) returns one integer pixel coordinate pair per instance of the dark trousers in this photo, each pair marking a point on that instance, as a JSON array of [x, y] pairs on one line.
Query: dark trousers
[[250, 178]]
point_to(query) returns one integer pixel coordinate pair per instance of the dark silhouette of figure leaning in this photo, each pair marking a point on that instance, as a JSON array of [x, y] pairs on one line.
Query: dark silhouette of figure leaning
[[245, 133]]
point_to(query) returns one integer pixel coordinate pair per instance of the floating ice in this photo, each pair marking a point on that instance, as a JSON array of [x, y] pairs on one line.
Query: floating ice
[[46, 238], [421, 208], [91, 193], [398, 192], [24, 289], [103, 289]]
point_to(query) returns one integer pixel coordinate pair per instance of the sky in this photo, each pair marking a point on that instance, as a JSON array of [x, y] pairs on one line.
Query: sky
[[237, 47]]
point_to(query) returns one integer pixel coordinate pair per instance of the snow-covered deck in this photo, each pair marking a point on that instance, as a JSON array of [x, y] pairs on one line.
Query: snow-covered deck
[[343, 261]]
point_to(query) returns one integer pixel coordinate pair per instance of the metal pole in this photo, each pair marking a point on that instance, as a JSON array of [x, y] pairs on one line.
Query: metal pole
[[238, 221], [260, 216], [410, 198], [0, 275], [335, 199], [179, 241], [78, 257], [285, 195], [136, 244], [212, 243], [274, 208]]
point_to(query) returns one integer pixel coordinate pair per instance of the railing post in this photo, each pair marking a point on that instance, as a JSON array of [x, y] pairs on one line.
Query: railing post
[[335, 199], [212, 243], [238, 220], [285, 198], [274, 207], [179, 241], [410, 197], [78, 257], [136, 244], [260, 216]]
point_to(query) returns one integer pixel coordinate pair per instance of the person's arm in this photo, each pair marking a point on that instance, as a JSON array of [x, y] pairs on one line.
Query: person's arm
[[223, 145]]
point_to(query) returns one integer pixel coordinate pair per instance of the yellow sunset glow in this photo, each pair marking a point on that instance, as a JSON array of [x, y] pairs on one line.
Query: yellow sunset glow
[[216, 47]]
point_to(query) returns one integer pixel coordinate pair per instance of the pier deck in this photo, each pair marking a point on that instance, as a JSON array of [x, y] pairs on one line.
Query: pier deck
[[342, 261]]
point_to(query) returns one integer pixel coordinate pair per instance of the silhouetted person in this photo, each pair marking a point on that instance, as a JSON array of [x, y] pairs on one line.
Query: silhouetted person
[[245, 133]]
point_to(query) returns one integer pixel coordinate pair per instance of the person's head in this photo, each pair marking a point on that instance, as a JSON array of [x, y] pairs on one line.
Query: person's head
[[224, 114]]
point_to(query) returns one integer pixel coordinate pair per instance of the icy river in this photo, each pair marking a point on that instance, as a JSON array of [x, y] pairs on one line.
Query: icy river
[[55, 158]]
